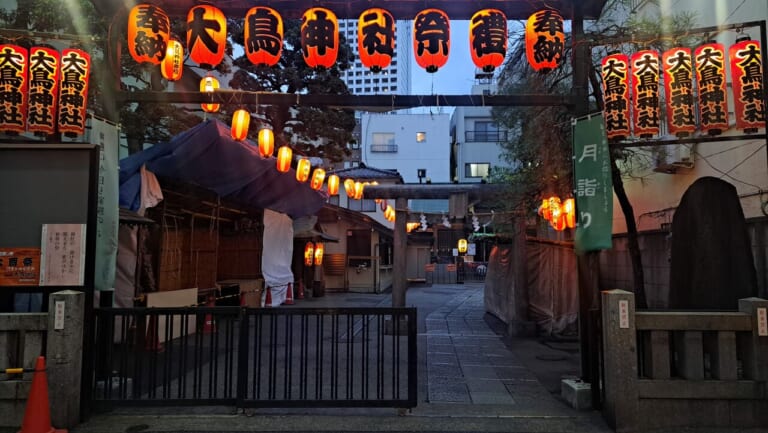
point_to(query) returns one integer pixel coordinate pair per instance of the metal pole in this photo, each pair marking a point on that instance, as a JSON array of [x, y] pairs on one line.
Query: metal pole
[[400, 278]]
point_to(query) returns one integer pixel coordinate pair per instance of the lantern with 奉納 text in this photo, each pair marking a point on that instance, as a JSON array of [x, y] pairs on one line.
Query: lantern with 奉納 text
[[13, 91], [431, 39], [241, 119], [544, 40], [148, 33], [318, 176], [333, 184], [488, 38], [645, 93], [709, 60], [309, 253], [284, 157], [44, 64], [615, 74], [302, 169], [319, 37], [376, 38], [206, 35], [263, 35], [747, 76], [319, 250], [266, 142], [209, 84], [172, 65], [73, 91], [678, 86]]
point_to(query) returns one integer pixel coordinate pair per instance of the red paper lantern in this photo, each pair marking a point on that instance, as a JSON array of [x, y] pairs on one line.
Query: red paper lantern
[[615, 75], [488, 38], [645, 93], [569, 208], [241, 119], [333, 184], [73, 90], [309, 253], [173, 64], [319, 37], [376, 38], [544, 40], [44, 65], [284, 157], [358, 189], [209, 84], [318, 176], [206, 34], [349, 188], [678, 86], [13, 91], [263, 35], [710, 75], [302, 170], [266, 142], [431, 39], [319, 250], [148, 33], [747, 77]]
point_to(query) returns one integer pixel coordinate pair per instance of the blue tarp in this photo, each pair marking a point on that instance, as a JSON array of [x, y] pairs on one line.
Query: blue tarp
[[207, 156]]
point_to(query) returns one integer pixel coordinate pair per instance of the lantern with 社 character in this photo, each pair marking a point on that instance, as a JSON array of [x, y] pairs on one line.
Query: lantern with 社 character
[[710, 75], [544, 40], [747, 75], [645, 93], [615, 74], [73, 91], [206, 34], [13, 91], [488, 38], [431, 39], [319, 37], [376, 38], [44, 64], [677, 65], [263, 35], [148, 33]]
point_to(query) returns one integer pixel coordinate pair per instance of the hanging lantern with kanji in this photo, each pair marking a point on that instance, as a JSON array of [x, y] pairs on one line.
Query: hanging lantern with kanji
[[645, 93], [462, 246], [376, 38], [241, 119], [302, 169], [431, 39], [309, 253], [284, 157], [318, 176], [569, 208], [488, 38], [44, 65], [319, 37], [263, 35], [73, 91], [615, 74], [148, 33], [710, 75], [557, 220], [678, 86], [13, 91], [358, 188], [544, 40], [173, 63], [333, 184], [206, 35], [747, 76], [266, 141], [349, 188], [209, 84], [319, 251]]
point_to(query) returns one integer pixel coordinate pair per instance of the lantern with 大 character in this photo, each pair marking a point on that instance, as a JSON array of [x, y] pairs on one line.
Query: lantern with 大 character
[[615, 74], [43, 89], [206, 34], [645, 93], [319, 37], [544, 40], [376, 38], [263, 35], [678, 86], [13, 91], [148, 33], [488, 38], [747, 76], [73, 91], [431, 39], [710, 75]]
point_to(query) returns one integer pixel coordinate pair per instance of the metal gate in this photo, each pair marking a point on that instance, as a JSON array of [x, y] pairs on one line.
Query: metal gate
[[256, 357]]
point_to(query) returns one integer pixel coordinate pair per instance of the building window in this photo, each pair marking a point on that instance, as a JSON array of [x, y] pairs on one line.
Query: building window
[[359, 245], [334, 200], [383, 138], [485, 131], [477, 169], [421, 137], [364, 205]]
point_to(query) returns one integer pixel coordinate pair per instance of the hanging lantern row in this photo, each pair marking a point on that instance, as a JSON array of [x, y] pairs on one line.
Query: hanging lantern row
[[149, 37], [313, 253], [43, 90], [560, 214], [640, 75]]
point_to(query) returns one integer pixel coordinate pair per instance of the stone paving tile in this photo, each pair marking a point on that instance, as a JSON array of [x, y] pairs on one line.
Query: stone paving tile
[[491, 398], [439, 339], [444, 370], [445, 380], [478, 371], [440, 348], [443, 358], [486, 385], [513, 373], [449, 393]]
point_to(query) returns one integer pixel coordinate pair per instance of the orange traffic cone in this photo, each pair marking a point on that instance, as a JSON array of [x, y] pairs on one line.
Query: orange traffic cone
[[289, 294], [300, 292], [268, 298], [37, 416], [209, 325], [152, 341]]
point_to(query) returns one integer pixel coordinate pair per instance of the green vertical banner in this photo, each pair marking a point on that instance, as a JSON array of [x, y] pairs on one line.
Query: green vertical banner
[[593, 185], [106, 135]]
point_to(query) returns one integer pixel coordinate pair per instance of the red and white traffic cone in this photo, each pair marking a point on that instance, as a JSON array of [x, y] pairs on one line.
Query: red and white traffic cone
[[209, 325], [268, 298], [300, 292], [37, 415], [289, 294]]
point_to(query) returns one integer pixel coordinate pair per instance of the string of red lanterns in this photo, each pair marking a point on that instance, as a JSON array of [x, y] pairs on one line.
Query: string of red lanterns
[[560, 214]]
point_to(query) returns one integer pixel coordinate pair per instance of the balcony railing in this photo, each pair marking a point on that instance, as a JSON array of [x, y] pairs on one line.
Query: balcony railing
[[485, 136], [384, 148]]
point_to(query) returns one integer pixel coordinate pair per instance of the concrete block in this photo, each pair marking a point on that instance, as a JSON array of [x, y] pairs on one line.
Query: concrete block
[[577, 393]]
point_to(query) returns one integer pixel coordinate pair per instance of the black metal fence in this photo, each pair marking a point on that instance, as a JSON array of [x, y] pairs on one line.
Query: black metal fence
[[456, 273], [281, 357]]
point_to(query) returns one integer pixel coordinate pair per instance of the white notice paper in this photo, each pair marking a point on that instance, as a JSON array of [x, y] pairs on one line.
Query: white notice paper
[[58, 318], [623, 314], [63, 255]]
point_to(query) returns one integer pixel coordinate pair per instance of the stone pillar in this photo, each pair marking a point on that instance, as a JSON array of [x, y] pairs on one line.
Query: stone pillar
[[399, 264], [620, 359], [64, 356], [755, 345]]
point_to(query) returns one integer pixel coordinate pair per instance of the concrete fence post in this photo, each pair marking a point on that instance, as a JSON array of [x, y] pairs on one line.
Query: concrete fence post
[[64, 356], [620, 359], [756, 345]]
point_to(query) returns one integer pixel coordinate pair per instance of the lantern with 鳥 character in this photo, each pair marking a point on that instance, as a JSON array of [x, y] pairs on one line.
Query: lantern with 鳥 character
[[319, 37], [747, 76], [209, 84], [148, 33], [645, 93], [431, 39], [376, 38], [266, 142], [333, 184], [284, 157], [349, 187], [240, 121], [678, 86], [710, 75], [263, 35], [13, 91], [462, 246], [615, 73], [173, 63], [544, 40], [318, 176], [302, 169], [206, 34], [569, 208], [319, 250], [488, 38], [43, 89], [73, 90], [309, 253]]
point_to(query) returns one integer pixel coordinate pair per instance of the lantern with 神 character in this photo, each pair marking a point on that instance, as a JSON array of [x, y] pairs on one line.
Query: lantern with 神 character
[[284, 157], [544, 40], [172, 65], [376, 38], [333, 184], [678, 86], [43, 89], [431, 39], [209, 84], [241, 119], [318, 176], [266, 142], [263, 35], [615, 73], [148, 33], [13, 91], [645, 93], [319, 37], [302, 170], [206, 34], [710, 75], [73, 90], [488, 38], [747, 76]]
